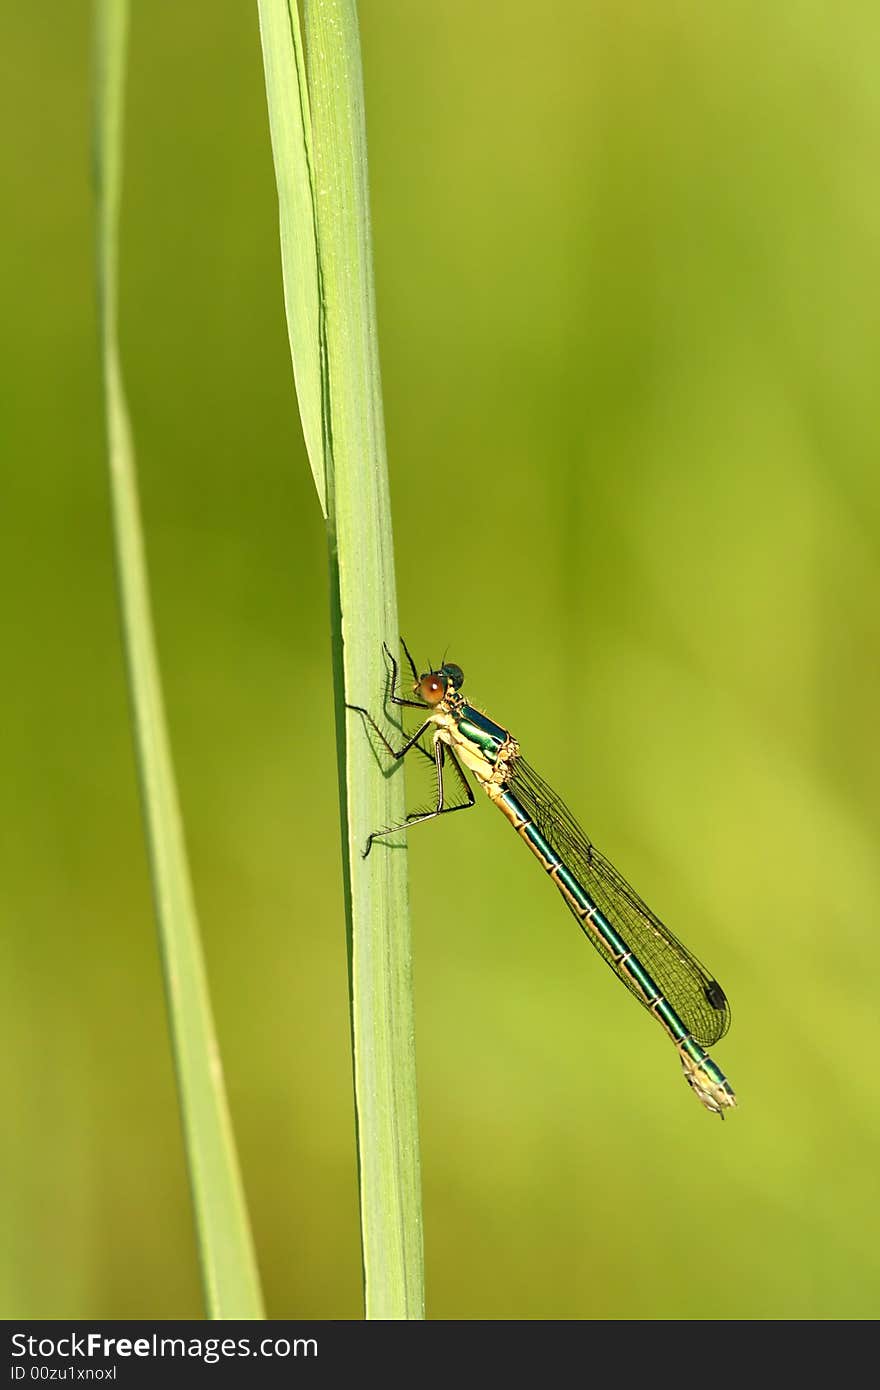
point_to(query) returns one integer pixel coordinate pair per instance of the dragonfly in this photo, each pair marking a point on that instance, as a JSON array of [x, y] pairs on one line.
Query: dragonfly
[[654, 965]]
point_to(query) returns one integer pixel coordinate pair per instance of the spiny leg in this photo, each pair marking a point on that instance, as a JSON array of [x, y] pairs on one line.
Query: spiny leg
[[440, 752], [397, 700], [396, 753], [412, 664], [393, 695], [441, 809]]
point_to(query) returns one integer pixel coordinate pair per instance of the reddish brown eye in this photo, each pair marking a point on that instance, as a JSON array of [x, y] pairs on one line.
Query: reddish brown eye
[[432, 687]]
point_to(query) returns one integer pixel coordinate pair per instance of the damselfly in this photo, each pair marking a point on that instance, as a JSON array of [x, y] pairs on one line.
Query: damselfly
[[643, 953]]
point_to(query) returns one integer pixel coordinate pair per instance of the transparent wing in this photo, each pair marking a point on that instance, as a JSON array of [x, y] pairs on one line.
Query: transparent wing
[[697, 998]]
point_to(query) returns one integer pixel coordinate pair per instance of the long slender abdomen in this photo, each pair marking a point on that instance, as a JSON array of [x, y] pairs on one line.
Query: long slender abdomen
[[701, 1073], [593, 922]]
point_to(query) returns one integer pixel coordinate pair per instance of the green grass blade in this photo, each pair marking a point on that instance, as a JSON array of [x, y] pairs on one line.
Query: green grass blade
[[226, 1252], [290, 127], [363, 615]]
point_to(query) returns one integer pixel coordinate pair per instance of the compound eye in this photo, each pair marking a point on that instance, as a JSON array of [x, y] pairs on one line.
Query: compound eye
[[454, 674], [432, 687]]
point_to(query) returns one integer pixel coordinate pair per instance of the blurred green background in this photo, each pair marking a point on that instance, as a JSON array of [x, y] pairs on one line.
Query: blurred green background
[[627, 277]]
